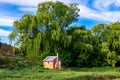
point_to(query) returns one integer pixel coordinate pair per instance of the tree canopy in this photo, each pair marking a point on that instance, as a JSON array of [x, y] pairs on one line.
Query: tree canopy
[[45, 31], [49, 31]]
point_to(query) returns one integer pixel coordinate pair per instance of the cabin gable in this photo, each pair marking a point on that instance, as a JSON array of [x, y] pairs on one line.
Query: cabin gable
[[52, 62]]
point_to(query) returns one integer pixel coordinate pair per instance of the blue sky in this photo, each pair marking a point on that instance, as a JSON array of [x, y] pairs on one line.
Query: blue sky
[[92, 12]]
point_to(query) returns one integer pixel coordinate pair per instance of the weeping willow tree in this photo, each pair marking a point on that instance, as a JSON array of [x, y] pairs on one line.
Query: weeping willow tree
[[109, 41], [45, 31], [57, 17], [110, 34], [27, 35]]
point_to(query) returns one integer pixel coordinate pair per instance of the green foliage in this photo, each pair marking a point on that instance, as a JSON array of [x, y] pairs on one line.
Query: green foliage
[[2, 60], [43, 32], [15, 63], [34, 73], [108, 39], [111, 58], [5, 62], [67, 59], [48, 31]]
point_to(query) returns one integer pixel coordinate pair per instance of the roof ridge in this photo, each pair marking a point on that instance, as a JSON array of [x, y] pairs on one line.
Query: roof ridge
[[50, 58]]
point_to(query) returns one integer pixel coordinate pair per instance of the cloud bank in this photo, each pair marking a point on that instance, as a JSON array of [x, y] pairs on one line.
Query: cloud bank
[[98, 10], [4, 32]]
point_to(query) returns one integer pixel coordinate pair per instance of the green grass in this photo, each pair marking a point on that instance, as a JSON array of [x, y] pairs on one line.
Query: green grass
[[36, 73]]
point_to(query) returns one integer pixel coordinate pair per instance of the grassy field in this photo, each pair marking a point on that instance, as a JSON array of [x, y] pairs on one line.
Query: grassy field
[[36, 73]]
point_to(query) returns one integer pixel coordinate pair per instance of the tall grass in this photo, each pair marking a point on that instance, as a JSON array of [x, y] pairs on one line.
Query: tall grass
[[36, 73]]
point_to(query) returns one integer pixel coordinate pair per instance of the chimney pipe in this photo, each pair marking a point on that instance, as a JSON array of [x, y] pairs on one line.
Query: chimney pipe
[[57, 54]]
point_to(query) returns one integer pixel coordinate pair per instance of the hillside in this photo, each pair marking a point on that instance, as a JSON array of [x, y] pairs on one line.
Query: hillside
[[10, 60], [6, 50]]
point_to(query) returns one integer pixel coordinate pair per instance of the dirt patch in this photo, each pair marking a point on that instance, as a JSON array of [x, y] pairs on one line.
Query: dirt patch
[[6, 50]]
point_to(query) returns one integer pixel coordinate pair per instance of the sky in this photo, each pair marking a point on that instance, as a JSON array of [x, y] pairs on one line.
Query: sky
[[92, 12]]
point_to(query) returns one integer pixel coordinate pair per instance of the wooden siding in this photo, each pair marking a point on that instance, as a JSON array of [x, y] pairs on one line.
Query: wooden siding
[[51, 64], [48, 64]]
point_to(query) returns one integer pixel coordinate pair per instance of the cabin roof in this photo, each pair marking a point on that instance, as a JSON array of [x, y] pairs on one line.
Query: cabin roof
[[50, 58]]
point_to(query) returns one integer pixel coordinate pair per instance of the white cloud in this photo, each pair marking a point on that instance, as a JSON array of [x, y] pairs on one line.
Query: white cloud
[[102, 4], [7, 20], [105, 4], [23, 5], [32, 7], [103, 16], [28, 9], [22, 2], [86, 12], [4, 32], [33, 3], [117, 3]]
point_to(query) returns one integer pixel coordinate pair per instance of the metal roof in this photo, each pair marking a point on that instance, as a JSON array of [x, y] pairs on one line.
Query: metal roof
[[50, 58]]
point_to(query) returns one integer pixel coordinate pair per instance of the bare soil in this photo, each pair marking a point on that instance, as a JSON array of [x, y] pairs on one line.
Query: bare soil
[[6, 50]]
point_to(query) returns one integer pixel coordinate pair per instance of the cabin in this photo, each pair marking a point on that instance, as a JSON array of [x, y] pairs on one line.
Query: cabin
[[52, 62]]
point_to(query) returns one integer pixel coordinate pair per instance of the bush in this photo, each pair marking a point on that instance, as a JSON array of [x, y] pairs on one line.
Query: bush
[[5, 62]]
